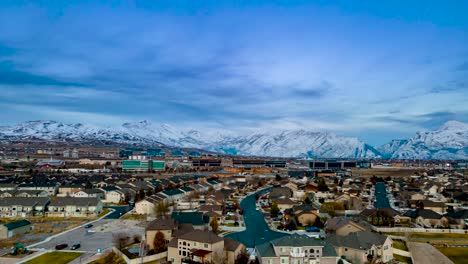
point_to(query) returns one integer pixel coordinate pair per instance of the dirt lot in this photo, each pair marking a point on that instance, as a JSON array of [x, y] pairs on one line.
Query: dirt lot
[[43, 228], [384, 172]]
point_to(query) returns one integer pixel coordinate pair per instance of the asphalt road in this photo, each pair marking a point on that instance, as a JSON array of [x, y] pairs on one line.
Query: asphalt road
[[381, 196], [257, 230], [118, 211], [91, 239]]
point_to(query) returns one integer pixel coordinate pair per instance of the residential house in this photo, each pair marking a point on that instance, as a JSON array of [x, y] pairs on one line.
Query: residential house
[[280, 192], [363, 247], [50, 188], [304, 213], [296, 249], [7, 187], [427, 218], [11, 229], [148, 204], [381, 216], [197, 219], [86, 193], [202, 247], [174, 195], [437, 207], [165, 226], [232, 250], [69, 190], [457, 219], [342, 226], [284, 203], [74, 207], [113, 195], [23, 206]]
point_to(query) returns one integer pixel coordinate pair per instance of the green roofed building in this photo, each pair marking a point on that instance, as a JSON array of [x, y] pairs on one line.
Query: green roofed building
[[159, 165], [136, 165], [15, 228], [143, 165]]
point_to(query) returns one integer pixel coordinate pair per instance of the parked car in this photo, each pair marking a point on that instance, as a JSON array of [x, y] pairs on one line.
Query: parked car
[[312, 229], [75, 246], [61, 246], [88, 226]]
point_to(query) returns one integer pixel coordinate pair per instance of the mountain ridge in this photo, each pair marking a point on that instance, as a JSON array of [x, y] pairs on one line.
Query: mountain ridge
[[449, 141]]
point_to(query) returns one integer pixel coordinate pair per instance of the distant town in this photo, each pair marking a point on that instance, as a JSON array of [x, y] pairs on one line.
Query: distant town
[[107, 204]]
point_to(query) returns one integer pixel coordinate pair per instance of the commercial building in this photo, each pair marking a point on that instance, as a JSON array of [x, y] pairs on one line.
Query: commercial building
[[143, 165]]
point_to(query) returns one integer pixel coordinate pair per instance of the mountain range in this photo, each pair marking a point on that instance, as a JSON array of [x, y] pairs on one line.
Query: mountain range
[[450, 141]]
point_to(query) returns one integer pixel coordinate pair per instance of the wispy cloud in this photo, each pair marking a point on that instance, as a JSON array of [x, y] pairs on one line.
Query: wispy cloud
[[336, 68]]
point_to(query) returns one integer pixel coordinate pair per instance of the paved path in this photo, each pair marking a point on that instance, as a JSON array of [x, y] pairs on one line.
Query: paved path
[[425, 253]]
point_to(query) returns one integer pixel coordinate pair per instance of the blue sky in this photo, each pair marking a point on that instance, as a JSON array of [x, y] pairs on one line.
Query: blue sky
[[373, 69]]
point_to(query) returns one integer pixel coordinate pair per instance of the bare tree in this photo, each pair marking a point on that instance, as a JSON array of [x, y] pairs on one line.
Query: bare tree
[[120, 240], [161, 209]]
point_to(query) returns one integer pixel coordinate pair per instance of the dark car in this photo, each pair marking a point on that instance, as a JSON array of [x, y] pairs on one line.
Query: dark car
[[61, 246], [88, 226], [75, 246], [313, 229]]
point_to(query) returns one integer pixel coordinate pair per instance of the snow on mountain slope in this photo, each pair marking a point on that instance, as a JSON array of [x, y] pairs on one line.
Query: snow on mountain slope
[[450, 141], [280, 144], [388, 149], [297, 143]]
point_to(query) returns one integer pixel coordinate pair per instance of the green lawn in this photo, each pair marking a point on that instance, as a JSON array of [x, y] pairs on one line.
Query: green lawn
[[55, 257], [457, 255], [439, 235], [402, 259], [398, 244]]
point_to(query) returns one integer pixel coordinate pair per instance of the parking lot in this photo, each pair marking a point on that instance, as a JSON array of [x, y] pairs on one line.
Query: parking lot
[[100, 236]]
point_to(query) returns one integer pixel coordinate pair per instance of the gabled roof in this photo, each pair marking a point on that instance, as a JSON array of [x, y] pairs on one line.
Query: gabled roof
[[230, 244], [17, 224], [295, 240], [64, 201], [23, 201], [424, 213], [202, 236], [194, 218], [172, 192], [161, 224], [337, 222], [389, 212], [109, 188], [460, 214], [362, 240]]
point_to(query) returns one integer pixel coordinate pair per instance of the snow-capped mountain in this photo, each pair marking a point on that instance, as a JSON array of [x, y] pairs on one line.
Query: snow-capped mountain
[[450, 141], [294, 143], [388, 149]]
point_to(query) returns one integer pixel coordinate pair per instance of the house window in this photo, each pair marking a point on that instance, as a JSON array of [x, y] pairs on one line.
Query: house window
[[345, 249]]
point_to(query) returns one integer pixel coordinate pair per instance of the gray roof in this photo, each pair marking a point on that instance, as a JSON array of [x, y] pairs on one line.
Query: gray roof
[[85, 201], [23, 201], [363, 240], [161, 224], [202, 236], [295, 240], [230, 244], [337, 222]]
